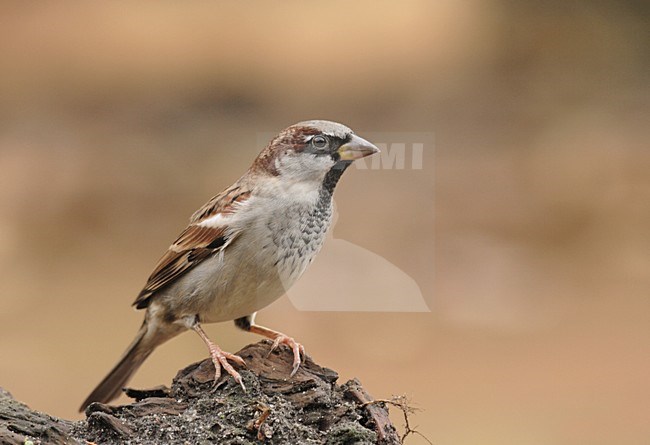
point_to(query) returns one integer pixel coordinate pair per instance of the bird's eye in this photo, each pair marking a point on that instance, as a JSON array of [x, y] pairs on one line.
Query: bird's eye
[[319, 142]]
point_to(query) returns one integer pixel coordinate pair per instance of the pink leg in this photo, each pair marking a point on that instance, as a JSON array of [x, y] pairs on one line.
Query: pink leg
[[278, 339], [220, 358]]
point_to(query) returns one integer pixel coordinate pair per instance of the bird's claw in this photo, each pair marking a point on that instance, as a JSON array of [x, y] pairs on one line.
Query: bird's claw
[[297, 348], [220, 360]]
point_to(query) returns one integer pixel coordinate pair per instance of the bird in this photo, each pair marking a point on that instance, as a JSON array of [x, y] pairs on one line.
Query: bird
[[243, 249]]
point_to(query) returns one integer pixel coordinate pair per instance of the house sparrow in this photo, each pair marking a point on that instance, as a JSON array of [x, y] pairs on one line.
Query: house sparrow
[[244, 248]]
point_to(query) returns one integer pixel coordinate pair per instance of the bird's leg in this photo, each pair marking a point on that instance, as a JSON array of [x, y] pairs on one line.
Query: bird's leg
[[248, 324], [219, 357]]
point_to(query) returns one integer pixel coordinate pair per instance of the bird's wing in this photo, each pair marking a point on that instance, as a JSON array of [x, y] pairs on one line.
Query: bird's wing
[[207, 234]]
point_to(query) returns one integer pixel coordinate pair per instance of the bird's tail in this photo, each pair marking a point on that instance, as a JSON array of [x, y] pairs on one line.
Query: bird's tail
[[111, 386]]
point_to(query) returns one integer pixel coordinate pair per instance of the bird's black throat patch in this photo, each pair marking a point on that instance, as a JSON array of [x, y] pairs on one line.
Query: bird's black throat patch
[[332, 178]]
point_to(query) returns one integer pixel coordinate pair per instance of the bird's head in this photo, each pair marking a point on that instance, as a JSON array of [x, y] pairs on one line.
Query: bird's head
[[309, 150]]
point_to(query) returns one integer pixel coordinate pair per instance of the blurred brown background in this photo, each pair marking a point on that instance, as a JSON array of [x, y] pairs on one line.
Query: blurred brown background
[[527, 230]]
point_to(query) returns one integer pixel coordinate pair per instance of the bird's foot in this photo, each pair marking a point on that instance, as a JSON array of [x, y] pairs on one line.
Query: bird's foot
[[297, 348], [220, 360]]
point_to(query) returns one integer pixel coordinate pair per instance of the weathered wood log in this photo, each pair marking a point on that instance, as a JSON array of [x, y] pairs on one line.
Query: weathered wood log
[[308, 408], [18, 424]]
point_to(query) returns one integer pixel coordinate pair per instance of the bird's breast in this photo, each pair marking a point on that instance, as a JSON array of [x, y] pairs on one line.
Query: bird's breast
[[296, 238], [268, 256]]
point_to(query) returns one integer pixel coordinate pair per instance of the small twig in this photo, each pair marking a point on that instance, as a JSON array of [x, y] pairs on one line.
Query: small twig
[[263, 432], [401, 402]]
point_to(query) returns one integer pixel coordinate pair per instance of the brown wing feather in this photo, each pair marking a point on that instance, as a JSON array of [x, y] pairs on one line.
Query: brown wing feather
[[194, 244]]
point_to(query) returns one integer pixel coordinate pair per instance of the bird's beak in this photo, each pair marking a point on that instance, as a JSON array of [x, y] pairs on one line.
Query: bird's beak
[[356, 148]]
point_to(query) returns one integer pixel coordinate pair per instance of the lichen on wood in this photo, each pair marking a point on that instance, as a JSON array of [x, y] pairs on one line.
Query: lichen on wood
[[308, 408]]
